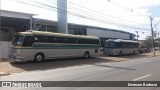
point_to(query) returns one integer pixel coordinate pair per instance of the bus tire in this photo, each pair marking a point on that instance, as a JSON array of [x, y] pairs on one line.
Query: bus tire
[[120, 53], [86, 55], [39, 57]]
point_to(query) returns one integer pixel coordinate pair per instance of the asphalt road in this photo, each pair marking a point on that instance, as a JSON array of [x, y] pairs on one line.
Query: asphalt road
[[144, 69]]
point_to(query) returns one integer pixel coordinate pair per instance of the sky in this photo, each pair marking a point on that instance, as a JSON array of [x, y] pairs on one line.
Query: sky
[[126, 15]]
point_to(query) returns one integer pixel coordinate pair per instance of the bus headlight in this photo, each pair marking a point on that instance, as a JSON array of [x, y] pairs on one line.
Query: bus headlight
[[17, 56]]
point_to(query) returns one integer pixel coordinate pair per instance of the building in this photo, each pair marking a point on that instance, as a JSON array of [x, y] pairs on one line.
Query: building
[[12, 22]]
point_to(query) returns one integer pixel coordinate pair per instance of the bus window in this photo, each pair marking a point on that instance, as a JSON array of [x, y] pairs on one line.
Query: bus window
[[44, 39], [71, 40], [95, 42], [92, 41], [65, 40], [36, 39], [28, 41], [59, 39], [110, 45], [17, 40], [119, 45], [82, 41]]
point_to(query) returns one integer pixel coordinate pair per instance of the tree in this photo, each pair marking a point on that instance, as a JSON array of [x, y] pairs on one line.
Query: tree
[[148, 41]]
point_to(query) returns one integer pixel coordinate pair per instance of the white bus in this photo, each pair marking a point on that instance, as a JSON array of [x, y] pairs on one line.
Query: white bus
[[120, 47], [39, 46]]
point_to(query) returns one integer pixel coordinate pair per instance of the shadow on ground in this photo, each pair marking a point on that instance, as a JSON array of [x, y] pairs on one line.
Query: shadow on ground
[[128, 57], [57, 63], [4, 60], [135, 57], [107, 66]]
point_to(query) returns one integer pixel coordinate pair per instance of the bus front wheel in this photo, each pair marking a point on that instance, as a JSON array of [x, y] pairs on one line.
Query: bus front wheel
[[39, 57], [86, 55]]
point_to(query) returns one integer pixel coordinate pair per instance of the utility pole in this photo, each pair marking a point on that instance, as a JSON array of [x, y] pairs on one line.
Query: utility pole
[[158, 41], [152, 34]]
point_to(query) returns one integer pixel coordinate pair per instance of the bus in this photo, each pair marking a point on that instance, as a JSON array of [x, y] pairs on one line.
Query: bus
[[120, 47], [39, 46]]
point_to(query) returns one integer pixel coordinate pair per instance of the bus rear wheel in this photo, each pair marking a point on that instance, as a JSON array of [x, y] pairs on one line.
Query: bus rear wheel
[[86, 55], [39, 57]]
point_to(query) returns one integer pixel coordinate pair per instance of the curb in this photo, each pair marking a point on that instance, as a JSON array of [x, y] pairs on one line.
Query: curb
[[4, 74]]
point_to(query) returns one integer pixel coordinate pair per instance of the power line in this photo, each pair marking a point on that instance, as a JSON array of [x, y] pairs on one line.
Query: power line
[[95, 19], [127, 9], [104, 21], [102, 13], [75, 14], [96, 12], [91, 11], [156, 24]]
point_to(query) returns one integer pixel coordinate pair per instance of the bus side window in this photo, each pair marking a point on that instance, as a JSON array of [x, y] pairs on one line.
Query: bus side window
[[94, 42], [71, 40], [28, 41], [54, 40], [65, 40], [81, 41], [44, 39], [36, 38], [118, 45], [60, 39]]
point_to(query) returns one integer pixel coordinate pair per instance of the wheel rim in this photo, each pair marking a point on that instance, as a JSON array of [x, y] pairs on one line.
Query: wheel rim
[[39, 58]]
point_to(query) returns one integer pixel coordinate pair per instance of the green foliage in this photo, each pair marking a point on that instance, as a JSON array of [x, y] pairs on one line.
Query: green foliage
[[148, 41]]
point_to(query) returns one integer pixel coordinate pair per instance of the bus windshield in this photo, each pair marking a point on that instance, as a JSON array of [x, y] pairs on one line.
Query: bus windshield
[[17, 40], [110, 45]]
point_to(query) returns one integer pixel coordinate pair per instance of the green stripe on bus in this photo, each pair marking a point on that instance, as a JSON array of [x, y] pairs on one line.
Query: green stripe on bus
[[62, 46]]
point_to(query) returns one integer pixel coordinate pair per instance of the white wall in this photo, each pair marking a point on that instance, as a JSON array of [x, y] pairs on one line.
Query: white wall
[[4, 49], [107, 33]]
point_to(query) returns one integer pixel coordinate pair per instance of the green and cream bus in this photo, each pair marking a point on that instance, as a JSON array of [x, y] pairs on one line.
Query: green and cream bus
[[39, 46]]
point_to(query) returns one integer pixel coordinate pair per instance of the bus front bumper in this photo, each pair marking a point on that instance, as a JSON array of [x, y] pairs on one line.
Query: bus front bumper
[[110, 53], [16, 59]]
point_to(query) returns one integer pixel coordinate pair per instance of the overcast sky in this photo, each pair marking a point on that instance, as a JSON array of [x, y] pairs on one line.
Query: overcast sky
[[117, 14]]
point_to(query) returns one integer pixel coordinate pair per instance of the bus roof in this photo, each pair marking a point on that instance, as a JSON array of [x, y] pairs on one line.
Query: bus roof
[[121, 40], [32, 32]]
